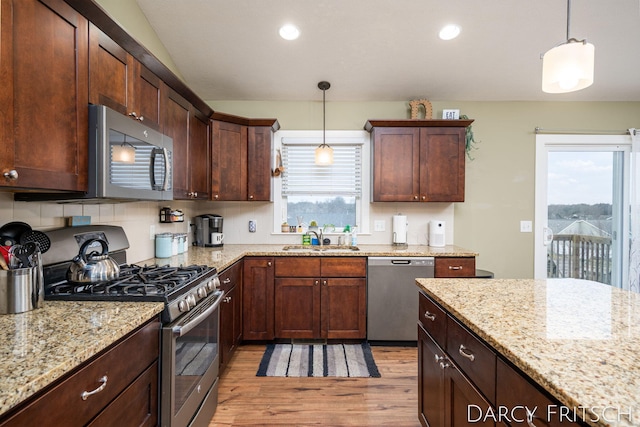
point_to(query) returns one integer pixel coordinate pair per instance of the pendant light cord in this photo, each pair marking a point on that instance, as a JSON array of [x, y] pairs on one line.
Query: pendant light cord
[[568, 17], [324, 117]]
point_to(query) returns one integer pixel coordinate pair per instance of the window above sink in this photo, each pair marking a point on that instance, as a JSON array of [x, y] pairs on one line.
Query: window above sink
[[333, 195]]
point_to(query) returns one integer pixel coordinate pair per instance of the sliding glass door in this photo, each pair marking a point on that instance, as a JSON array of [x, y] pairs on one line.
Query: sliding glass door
[[582, 207]]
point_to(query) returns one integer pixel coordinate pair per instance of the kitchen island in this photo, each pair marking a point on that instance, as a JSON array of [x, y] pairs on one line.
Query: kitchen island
[[578, 340]]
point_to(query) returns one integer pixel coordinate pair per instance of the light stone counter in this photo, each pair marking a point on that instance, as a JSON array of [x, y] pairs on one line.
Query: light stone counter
[[40, 346], [579, 340], [222, 258]]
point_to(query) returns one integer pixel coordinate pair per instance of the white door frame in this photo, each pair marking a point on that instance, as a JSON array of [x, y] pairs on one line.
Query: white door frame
[[566, 142]]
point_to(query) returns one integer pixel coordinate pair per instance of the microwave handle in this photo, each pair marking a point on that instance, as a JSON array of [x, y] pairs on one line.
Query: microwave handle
[[152, 169]]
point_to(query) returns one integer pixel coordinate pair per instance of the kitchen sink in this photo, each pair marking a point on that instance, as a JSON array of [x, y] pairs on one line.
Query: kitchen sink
[[317, 248]]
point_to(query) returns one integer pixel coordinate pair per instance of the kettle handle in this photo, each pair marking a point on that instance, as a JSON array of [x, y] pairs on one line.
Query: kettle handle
[[85, 246]]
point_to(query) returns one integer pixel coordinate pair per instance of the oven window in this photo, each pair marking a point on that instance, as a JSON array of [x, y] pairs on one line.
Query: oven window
[[196, 352]]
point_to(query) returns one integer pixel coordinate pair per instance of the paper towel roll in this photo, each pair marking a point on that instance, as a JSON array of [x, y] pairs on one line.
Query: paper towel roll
[[399, 229]]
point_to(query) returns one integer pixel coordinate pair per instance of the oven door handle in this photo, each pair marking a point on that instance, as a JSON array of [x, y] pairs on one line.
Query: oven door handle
[[180, 330]]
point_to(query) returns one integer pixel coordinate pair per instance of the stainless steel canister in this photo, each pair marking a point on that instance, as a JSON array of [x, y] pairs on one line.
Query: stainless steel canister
[[21, 289]]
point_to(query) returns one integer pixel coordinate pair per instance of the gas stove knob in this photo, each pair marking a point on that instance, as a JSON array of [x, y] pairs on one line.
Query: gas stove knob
[[216, 283], [202, 292], [191, 300], [183, 306]]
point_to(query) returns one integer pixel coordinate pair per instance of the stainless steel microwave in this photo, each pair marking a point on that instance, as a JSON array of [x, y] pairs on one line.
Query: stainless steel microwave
[[127, 160]]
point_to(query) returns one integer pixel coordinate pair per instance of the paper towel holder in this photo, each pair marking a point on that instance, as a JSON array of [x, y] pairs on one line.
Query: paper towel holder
[[399, 237]]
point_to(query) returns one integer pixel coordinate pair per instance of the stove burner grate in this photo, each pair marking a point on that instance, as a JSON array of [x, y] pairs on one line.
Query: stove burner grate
[[135, 281]]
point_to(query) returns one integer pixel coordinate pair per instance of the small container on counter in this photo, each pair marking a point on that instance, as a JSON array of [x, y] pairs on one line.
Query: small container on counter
[[164, 245], [175, 240]]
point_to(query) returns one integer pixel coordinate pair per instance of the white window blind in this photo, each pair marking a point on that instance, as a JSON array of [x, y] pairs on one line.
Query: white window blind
[[303, 177]]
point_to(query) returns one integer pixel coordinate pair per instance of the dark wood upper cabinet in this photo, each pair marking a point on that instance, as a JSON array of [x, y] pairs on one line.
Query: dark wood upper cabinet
[[198, 157], [119, 81], [190, 133], [241, 158], [43, 96], [418, 160]]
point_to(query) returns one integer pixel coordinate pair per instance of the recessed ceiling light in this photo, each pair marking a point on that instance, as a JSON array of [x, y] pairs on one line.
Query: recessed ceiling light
[[449, 32], [289, 32]]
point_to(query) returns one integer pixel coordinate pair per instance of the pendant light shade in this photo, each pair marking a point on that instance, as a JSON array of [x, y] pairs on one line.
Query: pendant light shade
[[569, 66], [324, 153]]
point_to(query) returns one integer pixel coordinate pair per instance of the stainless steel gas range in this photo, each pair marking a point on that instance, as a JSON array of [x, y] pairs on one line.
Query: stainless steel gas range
[[190, 350]]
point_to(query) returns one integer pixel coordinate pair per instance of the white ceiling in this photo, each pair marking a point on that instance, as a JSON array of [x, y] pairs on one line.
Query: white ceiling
[[388, 50]]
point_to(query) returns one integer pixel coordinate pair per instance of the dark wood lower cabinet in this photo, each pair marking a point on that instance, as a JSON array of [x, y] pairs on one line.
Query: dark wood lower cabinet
[[230, 312], [258, 299], [129, 373], [136, 406], [320, 297], [470, 384]]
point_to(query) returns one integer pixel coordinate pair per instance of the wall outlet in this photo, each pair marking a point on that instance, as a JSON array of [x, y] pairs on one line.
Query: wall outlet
[[379, 225], [526, 226], [152, 232], [252, 225]]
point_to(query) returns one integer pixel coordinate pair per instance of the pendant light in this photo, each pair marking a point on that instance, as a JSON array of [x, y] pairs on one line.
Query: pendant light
[[568, 67], [324, 153]]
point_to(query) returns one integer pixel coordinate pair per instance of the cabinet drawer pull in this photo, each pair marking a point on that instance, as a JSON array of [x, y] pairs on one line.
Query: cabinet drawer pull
[[463, 353], [226, 280], [430, 316], [455, 267], [86, 394]]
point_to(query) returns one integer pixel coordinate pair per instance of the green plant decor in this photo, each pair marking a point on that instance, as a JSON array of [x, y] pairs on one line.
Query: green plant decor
[[470, 141]]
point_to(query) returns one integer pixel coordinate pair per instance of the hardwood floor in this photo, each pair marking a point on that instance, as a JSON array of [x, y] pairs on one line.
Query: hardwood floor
[[247, 400]]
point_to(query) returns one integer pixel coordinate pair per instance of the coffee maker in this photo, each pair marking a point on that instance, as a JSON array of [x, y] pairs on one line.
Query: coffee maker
[[208, 230]]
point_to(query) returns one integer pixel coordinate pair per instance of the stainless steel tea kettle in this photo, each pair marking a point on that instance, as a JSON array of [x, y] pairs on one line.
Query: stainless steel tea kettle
[[93, 267]]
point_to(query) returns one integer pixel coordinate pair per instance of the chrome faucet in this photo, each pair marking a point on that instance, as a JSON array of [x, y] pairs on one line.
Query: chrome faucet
[[319, 237]]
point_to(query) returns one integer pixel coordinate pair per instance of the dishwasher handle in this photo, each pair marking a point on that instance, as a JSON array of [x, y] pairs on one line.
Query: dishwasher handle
[[401, 261]]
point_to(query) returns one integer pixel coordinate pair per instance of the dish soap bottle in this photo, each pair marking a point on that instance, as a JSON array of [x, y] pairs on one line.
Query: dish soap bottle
[[354, 237]]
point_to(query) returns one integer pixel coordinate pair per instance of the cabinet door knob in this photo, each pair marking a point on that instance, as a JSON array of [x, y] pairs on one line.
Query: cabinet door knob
[[216, 197], [324, 282], [251, 197], [11, 175], [269, 264], [316, 283], [424, 197], [415, 197]]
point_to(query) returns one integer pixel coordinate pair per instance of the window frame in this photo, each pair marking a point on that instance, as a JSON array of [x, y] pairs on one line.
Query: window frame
[[332, 137]]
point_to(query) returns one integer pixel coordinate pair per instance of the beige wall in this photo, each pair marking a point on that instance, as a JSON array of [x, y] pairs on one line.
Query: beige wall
[[500, 179], [130, 17]]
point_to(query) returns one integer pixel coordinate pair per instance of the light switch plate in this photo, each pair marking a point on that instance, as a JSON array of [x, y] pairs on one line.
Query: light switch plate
[[379, 225], [526, 227]]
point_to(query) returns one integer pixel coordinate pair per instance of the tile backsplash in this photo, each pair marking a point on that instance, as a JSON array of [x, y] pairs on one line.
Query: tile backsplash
[[140, 220]]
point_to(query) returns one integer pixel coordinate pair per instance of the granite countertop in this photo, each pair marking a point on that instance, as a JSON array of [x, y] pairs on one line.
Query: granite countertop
[[40, 346], [578, 339], [225, 256]]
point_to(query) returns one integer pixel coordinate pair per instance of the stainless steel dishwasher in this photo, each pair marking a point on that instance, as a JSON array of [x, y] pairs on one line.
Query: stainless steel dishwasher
[[392, 296]]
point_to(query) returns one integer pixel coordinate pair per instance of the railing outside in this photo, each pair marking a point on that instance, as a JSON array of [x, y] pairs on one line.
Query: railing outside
[[580, 257]]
